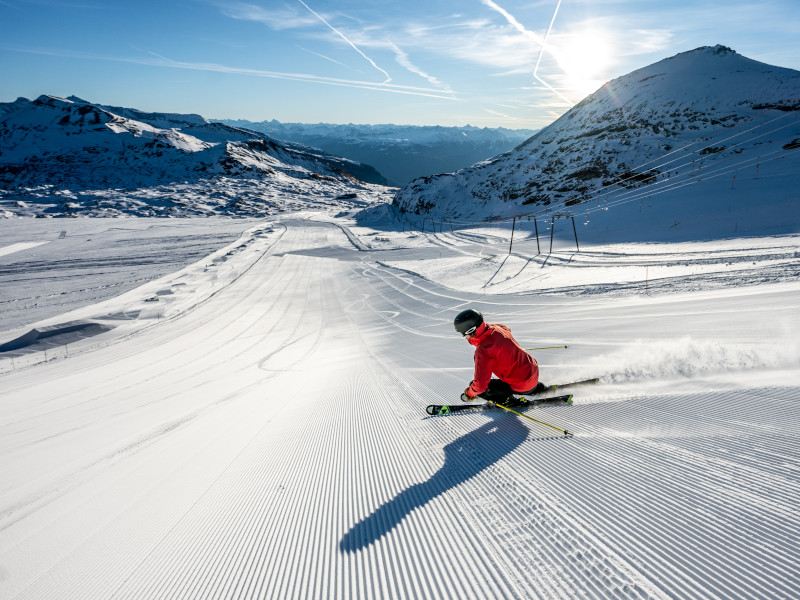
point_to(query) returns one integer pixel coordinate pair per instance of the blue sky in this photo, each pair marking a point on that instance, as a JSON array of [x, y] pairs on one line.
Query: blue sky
[[444, 62]]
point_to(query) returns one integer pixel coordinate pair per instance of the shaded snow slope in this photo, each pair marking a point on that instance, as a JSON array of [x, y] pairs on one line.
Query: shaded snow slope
[[270, 441], [703, 144]]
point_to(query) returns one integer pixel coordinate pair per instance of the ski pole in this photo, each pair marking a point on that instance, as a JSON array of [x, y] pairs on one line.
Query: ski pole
[[548, 348], [564, 431]]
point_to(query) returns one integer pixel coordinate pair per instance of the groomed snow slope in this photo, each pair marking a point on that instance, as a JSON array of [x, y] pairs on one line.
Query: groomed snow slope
[[270, 441]]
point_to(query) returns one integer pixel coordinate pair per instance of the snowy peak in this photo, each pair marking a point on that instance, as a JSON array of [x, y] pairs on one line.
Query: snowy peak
[[50, 126], [712, 85], [652, 130], [67, 156], [69, 141], [48, 111], [711, 78]]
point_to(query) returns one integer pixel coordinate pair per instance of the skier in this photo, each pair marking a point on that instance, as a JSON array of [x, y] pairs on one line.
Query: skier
[[496, 352]]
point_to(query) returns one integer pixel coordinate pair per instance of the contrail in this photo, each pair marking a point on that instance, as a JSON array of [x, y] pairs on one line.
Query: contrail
[[403, 59], [325, 57], [541, 51], [541, 41], [341, 35], [513, 22]]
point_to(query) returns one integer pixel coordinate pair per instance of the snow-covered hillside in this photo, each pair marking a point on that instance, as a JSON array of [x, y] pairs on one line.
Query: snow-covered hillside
[[68, 156], [704, 143], [259, 429], [400, 152], [48, 267]]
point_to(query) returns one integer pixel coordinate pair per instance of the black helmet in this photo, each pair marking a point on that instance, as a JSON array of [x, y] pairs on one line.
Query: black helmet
[[466, 322]]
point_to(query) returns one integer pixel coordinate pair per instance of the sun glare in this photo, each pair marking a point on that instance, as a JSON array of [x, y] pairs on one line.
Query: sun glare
[[584, 58]]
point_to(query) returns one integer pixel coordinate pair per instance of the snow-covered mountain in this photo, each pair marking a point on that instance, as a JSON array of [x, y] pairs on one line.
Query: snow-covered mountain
[[400, 152], [706, 143], [72, 156]]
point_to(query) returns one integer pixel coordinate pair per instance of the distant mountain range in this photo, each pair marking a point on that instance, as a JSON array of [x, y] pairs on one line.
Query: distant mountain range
[[704, 143], [399, 152], [70, 156]]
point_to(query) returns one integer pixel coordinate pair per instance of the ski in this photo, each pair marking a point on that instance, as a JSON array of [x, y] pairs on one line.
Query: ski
[[519, 402]]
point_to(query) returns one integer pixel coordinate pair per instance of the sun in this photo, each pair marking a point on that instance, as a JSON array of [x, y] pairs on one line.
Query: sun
[[584, 58]]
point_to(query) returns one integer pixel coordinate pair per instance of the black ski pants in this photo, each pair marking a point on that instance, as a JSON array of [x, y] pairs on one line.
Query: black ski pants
[[500, 391]]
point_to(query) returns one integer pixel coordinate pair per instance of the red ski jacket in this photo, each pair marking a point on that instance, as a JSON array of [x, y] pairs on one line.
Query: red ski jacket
[[499, 353]]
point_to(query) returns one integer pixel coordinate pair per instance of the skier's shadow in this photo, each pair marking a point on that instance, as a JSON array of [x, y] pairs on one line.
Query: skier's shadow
[[464, 458]]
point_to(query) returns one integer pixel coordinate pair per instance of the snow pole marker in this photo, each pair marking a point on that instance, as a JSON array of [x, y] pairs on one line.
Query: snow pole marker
[[564, 431], [575, 231]]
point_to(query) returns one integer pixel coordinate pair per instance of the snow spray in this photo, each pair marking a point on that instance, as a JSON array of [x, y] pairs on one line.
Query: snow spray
[[689, 358]]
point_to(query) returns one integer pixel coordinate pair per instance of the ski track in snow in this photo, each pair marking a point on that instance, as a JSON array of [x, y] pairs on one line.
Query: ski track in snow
[[271, 442]]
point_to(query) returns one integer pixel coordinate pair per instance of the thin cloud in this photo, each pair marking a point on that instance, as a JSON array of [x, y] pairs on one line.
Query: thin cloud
[[475, 41], [341, 35], [498, 114], [650, 40], [516, 71], [277, 19]]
